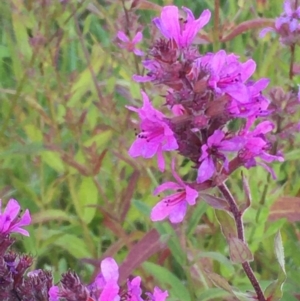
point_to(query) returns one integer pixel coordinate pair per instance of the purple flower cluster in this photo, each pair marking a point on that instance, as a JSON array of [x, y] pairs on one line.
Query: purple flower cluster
[[104, 288], [206, 94], [287, 25], [37, 285]]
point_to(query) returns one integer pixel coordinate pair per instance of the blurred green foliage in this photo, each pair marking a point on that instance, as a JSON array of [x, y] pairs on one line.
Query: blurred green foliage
[[65, 132]]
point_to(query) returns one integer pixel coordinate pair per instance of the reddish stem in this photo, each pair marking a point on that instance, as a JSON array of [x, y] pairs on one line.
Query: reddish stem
[[237, 214]]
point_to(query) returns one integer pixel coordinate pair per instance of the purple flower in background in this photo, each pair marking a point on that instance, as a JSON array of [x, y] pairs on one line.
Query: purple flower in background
[[290, 16], [130, 45], [10, 221], [287, 25], [183, 33], [155, 136], [256, 146], [174, 205], [212, 150]]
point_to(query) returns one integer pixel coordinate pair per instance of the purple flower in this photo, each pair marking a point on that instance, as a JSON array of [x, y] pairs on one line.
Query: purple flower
[[155, 72], [130, 45], [134, 289], [54, 293], [182, 32], [290, 16], [287, 25], [158, 295], [257, 146], [213, 150], [175, 204], [107, 280], [155, 136], [257, 104], [228, 75], [10, 221]]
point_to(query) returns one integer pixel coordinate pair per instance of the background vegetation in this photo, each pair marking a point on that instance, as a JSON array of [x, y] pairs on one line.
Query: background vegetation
[[64, 136]]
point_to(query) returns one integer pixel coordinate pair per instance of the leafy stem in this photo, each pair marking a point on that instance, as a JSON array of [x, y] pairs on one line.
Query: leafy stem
[[237, 215]]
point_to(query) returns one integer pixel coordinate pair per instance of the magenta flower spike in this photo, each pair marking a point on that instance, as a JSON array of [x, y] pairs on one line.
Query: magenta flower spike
[[183, 33], [10, 221], [155, 136], [130, 46], [213, 150], [174, 205]]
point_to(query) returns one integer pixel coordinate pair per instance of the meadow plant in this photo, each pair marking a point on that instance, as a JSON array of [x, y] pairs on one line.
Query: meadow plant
[[216, 119]]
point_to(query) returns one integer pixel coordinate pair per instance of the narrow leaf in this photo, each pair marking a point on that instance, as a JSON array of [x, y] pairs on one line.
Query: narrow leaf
[[274, 291], [215, 202], [244, 206], [220, 282], [239, 251], [227, 223]]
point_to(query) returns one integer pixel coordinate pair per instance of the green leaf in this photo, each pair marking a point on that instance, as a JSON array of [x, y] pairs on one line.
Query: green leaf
[[198, 211], [173, 243], [212, 294], [274, 291], [53, 160], [219, 257], [74, 245], [220, 282], [215, 202], [177, 288], [227, 223], [88, 195]]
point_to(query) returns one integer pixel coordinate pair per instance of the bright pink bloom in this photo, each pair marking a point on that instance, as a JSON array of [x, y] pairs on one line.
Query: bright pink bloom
[[54, 293], [183, 33], [130, 45], [214, 150], [228, 75], [107, 281], [175, 204], [155, 136], [257, 104], [10, 221]]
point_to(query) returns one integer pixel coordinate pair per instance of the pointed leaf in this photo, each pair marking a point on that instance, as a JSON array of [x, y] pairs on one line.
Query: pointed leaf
[[227, 223], [279, 251], [215, 202], [239, 251], [244, 206], [274, 291], [220, 282]]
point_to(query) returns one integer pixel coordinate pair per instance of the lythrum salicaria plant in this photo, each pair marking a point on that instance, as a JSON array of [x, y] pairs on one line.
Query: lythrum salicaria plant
[[206, 93]]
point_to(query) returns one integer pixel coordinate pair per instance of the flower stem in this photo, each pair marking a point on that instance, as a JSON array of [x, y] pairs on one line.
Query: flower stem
[[240, 231]]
